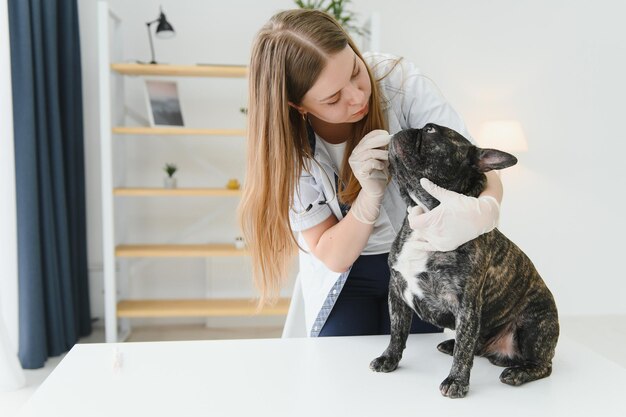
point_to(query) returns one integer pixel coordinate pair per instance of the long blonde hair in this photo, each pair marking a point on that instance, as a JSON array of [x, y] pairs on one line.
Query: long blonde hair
[[288, 55]]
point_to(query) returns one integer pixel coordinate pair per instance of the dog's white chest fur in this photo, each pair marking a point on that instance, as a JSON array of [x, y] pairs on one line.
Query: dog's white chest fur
[[410, 263]]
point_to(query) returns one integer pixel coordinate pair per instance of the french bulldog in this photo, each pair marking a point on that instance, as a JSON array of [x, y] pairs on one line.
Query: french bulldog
[[487, 289]]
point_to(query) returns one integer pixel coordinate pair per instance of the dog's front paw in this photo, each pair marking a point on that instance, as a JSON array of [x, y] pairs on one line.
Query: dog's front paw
[[454, 388], [384, 363]]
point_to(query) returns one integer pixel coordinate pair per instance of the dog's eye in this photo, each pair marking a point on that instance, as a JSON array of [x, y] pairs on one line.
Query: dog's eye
[[430, 129]]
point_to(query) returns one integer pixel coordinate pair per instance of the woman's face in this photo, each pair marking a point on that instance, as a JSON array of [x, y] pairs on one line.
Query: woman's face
[[341, 93]]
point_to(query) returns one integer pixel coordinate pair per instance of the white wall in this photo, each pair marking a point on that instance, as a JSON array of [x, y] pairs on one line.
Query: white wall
[[554, 66], [558, 68], [8, 220]]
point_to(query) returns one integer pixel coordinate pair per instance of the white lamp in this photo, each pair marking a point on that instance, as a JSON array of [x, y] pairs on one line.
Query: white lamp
[[504, 135]]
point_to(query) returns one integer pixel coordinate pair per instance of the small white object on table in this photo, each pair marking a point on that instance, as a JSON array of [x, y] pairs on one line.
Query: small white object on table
[[313, 377]]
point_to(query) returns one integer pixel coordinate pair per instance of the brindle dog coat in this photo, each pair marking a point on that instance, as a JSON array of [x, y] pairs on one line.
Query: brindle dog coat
[[487, 289]]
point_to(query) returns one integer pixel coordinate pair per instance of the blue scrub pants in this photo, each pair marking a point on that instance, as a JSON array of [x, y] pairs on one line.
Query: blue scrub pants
[[362, 307]]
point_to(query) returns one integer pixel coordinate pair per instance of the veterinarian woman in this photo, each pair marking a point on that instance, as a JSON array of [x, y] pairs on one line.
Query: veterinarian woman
[[318, 117]]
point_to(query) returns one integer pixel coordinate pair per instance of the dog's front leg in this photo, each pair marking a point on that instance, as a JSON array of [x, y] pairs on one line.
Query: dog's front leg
[[456, 384], [401, 317]]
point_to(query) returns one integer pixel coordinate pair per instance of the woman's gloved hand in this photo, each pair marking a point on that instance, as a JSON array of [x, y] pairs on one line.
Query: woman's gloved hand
[[370, 166], [457, 220]]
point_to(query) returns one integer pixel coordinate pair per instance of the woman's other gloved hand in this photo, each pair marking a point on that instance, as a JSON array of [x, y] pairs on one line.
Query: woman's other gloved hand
[[457, 220]]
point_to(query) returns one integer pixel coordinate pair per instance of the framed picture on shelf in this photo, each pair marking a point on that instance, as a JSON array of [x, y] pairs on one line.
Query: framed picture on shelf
[[163, 103]]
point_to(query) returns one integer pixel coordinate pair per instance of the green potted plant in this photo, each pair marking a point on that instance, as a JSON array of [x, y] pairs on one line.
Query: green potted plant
[[170, 181], [337, 9]]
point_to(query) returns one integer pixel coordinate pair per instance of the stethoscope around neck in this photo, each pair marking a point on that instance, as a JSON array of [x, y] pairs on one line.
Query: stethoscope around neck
[[319, 202], [311, 138]]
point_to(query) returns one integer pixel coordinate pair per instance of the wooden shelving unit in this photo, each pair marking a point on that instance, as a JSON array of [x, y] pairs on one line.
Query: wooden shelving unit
[[198, 308], [160, 131], [113, 127], [178, 251], [223, 71], [176, 192]]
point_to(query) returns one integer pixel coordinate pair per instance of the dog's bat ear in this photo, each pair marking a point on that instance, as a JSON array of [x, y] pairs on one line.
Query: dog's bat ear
[[485, 160]]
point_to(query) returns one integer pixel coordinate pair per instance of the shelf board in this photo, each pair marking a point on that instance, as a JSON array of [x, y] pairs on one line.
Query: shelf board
[[143, 130], [198, 308], [175, 192], [178, 251], [224, 71]]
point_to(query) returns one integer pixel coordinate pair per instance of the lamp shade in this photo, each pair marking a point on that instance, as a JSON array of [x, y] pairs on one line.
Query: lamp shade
[[164, 29], [504, 135]]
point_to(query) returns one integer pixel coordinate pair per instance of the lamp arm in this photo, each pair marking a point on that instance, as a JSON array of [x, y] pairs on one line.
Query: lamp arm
[[148, 24]]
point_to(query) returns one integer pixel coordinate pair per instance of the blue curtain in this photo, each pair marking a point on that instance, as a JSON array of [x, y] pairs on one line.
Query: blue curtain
[[52, 246]]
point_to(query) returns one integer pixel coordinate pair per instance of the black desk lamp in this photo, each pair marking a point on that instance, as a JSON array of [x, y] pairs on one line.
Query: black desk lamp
[[164, 30]]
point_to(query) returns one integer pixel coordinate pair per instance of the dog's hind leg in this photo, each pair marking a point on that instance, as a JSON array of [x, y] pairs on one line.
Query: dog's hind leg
[[446, 347], [501, 360], [518, 375], [401, 316], [536, 341]]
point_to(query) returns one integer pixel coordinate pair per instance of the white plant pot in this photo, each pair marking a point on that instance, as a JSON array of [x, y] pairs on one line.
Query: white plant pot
[[169, 182]]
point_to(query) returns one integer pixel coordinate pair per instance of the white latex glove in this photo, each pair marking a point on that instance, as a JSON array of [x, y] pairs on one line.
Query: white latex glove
[[371, 168], [457, 220]]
